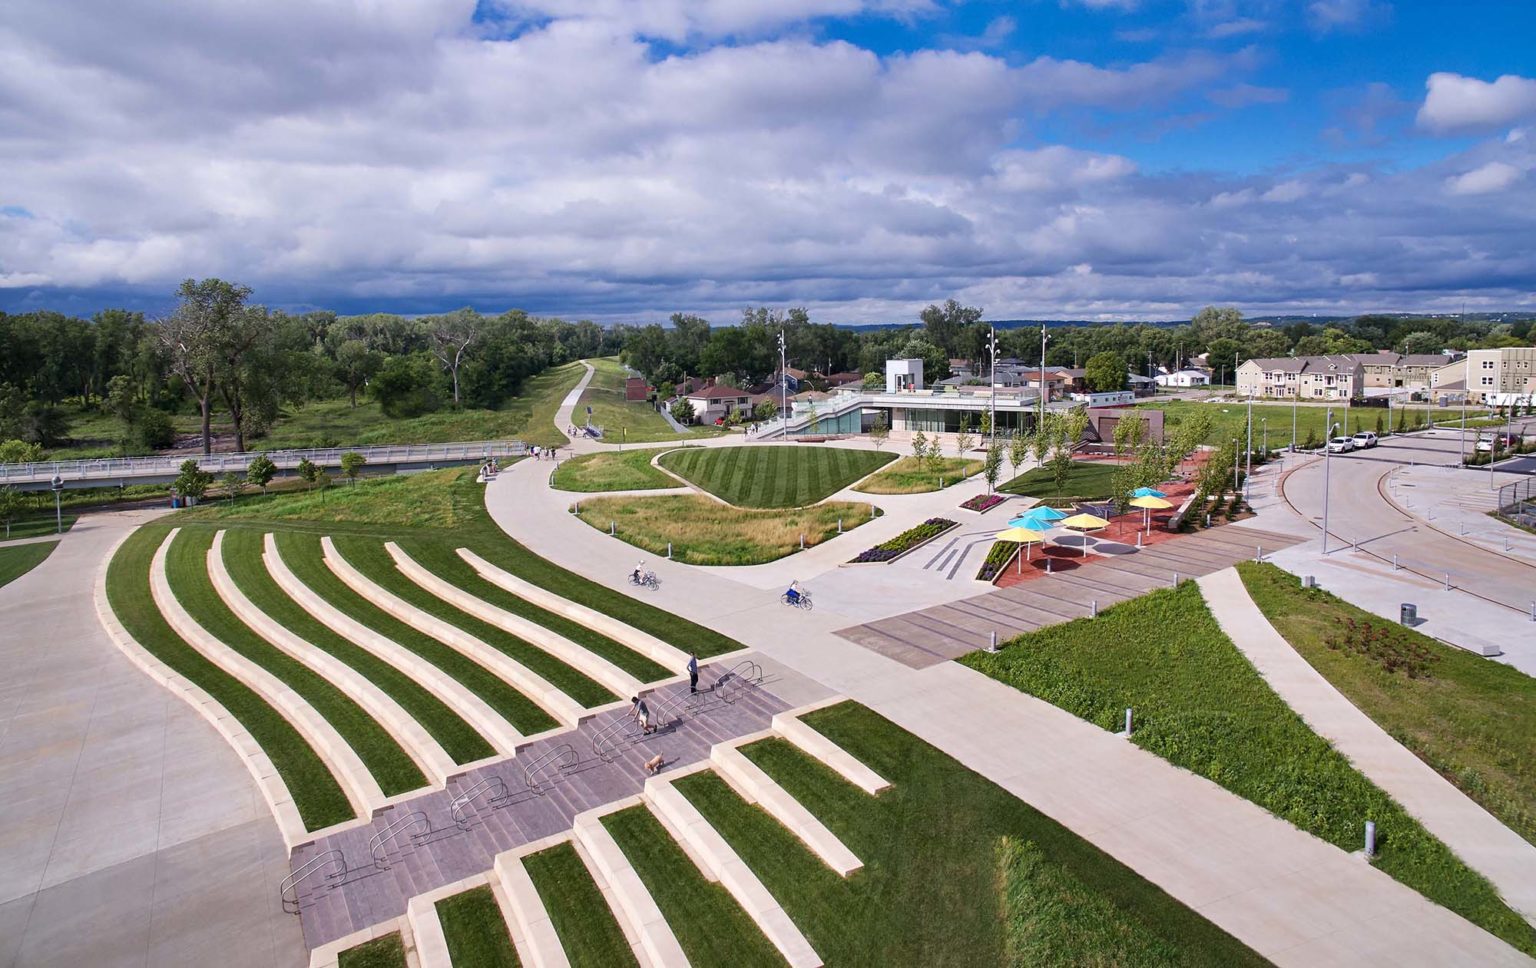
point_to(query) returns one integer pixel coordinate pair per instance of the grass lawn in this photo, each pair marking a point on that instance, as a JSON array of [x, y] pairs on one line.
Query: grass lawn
[[773, 476], [1473, 720], [612, 471], [706, 532], [585, 924], [930, 892], [368, 556], [710, 926], [17, 560], [1229, 420], [242, 556], [1202, 706], [475, 930], [316, 794], [622, 420], [907, 476], [1086, 481], [36, 527], [186, 568], [408, 500], [385, 952]]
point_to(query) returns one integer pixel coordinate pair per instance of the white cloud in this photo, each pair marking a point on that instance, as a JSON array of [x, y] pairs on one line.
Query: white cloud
[[1243, 95], [1329, 15], [1495, 176], [1455, 102]]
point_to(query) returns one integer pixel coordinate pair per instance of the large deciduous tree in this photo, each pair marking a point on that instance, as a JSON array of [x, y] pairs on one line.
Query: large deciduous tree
[[195, 337], [946, 324], [1105, 373], [452, 336]]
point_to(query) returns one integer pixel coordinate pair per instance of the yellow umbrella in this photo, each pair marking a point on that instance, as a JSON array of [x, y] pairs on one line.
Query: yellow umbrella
[[1023, 536], [1084, 522], [1147, 503]]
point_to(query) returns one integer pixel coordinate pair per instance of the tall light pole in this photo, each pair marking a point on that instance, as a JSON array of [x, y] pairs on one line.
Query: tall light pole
[[58, 508], [1295, 402], [1041, 422], [1327, 451], [1265, 422], [992, 421], [1250, 443], [783, 388]]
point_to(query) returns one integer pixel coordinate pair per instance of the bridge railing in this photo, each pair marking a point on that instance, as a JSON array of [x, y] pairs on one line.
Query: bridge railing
[[119, 468]]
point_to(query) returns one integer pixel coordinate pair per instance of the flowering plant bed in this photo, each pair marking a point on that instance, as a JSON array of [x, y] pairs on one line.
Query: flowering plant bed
[[997, 559], [982, 503], [908, 540]]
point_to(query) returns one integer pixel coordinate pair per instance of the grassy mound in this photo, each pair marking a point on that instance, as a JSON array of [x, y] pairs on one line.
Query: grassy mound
[[1201, 705], [911, 476], [611, 471], [1473, 720], [705, 532], [1086, 481], [773, 476], [634, 422]]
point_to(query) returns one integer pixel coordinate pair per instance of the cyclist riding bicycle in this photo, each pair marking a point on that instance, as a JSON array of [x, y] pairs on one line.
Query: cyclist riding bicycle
[[639, 571], [793, 595]]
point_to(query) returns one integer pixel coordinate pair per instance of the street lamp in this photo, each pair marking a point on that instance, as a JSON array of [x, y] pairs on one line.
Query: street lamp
[[58, 508], [992, 421], [1327, 452], [1264, 422], [1250, 442]]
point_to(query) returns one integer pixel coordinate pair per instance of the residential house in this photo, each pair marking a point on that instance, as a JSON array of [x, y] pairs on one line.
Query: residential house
[[717, 402], [1306, 377], [1183, 379], [1385, 368]]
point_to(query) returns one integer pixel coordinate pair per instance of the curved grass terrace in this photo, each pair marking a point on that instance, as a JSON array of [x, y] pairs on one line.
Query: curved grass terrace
[[911, 476], [612, 471], [774, 476], [17, 560], [587, 929]]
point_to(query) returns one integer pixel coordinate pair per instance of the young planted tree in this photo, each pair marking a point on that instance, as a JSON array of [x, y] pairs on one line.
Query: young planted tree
[[1018, 451], [964, 440], [934, 454], [10, 507], [322, 481], [308, 471], [920, 448], [879, 432], [682, 411], [993, 466], [352, 464], [192, 481], [233, 485], [1130, 431], [261, 471]]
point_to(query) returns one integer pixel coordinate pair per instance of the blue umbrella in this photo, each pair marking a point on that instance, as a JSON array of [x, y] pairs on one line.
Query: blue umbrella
[[1043, 513], [1147, 492], [1033, 524]]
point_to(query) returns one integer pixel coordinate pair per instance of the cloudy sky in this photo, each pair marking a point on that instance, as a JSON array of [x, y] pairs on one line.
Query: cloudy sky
[[617, 160]]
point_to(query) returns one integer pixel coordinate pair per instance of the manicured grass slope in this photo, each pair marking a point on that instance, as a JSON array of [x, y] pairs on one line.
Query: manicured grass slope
[[1229, 420], [616, 415], [1473, 720], [612, 471], [908, 476], [385, 952], [1202, 706], [35, 527], [187, 570], [369, 556], [17, 560], [243, 558], [1088, 480], [316, 794], [709, 924], [702, 531], [586, 926], [929, 893], [773, 476], [475, 930], [303, 555]]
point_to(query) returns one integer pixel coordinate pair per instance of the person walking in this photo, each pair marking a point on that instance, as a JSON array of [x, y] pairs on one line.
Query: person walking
[[641, 713], [693, 673]]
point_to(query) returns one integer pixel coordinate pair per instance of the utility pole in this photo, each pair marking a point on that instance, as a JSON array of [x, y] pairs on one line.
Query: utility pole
[[1250, 444], [1327, 453]]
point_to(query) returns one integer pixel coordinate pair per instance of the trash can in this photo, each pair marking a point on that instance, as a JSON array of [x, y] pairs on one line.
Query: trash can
[[1408, 614]]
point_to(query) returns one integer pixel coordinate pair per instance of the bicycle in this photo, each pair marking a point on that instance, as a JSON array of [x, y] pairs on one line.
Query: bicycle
[[801, 600], [645, 579]]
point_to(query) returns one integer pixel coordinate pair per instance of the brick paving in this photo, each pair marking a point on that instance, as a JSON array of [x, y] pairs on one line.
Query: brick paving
[[1119, 571], [420, 860]]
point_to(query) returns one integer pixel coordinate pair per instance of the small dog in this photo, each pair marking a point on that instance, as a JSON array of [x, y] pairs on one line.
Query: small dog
[[654, 764]]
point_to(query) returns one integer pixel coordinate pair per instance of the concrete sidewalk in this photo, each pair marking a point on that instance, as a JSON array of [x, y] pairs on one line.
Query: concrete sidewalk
[[1477, 837], [1293, 898]]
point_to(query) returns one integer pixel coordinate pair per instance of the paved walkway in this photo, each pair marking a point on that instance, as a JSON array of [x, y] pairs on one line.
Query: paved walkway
[[1489, 847], [1293, 898], [606, 763], [130, 833]]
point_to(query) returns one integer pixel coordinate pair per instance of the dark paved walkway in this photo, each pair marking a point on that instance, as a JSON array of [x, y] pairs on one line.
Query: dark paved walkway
[[589, 775], [933, 635]]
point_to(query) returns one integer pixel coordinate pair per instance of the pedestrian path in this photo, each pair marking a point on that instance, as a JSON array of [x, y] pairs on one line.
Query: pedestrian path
[[1479, 839]]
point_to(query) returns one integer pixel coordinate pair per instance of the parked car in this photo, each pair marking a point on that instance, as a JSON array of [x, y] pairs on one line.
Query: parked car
[[1341, 445], [1365, 438]]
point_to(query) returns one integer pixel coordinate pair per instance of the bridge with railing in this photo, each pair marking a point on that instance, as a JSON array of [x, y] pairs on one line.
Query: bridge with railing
[[122, 471]]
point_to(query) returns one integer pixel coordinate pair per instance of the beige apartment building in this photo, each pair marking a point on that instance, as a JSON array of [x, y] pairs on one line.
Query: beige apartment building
[[1487, 376], [1399, 371], [1306, 377]]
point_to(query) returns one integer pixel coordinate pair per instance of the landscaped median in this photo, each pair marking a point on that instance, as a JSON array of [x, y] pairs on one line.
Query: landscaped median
[[908, 541], [1202, 706], [630, 470], [701, 531], [773, 475], [998, 557], [1085, 481], [912, 476]]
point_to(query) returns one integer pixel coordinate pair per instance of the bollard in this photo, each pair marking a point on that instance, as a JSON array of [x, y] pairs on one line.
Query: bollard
[[1533, 611], [1207, 519], [1394, 562], [613, 528], [1094, 612], [1506, 542], [1258, 552], [839, 525], [1355, 545], [992, 646], [669, 551], [1127, 722], [1047, 566], [1463, 528], [1138, 539], [1175, 579], [1447, 581], [1370, 839], [802, 542]]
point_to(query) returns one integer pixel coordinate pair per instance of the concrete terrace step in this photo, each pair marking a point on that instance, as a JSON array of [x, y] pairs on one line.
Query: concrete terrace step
[[553, 701], [361, 789], [663, 653], [756, 786], [789, 726], [583, 660], [404, 729], [631, 901], [486, 721], [538, 944]]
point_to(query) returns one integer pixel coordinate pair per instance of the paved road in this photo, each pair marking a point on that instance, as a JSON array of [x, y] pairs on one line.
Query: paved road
[[1361, 515]]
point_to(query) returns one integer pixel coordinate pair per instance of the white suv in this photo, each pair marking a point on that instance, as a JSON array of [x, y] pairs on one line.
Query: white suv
[[1341, 445], [1365, 439]]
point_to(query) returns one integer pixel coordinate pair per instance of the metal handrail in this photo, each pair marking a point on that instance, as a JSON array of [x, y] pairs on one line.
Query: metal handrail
[[561, 758], [485, 785], [742, 675], [376, 845], [118, 467], [309, 867], [605, 739]]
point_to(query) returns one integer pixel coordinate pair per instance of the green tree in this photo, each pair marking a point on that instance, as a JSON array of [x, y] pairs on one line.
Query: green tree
[[406, 386], [1105, 373], [308, 471], [233, 485], [874, 381], [191, 480], [1018, 451], [934, 454], [682, 410], [452, 334], [1130, 431], [260, 471], [20, 452], [322, 481], [765, 411], [945, 325], [920, 448], [199, 336], [352, 464], [1420, 341], [963, 440], [10, 507], [356, 362], [993, 466], [879, 431]]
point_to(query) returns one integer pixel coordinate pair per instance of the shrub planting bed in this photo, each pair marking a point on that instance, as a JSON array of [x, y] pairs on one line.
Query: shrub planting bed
[[982, 503], [909, 539], [997, 559]]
